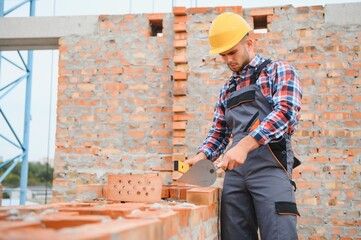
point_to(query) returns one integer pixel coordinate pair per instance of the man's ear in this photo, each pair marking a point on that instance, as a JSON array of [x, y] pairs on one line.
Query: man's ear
[[249, 44]]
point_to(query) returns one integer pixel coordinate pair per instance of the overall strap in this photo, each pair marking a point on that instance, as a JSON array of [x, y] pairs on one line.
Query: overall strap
[[258, 71], [232, 86]]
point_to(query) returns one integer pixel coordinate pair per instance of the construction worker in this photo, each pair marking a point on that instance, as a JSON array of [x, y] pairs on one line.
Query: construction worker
[[258, 110]]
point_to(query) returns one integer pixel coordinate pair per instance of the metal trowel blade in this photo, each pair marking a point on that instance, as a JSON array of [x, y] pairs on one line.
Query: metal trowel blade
[[203, 174]]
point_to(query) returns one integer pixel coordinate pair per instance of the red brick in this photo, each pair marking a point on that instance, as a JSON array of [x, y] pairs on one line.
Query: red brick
[[179, 108], [179, 133], [180, 19], [62, 49], [308, 185], [180, 43], [351, 72], [179, 75], [90, 191], [179, 88], [25, 209], [161, 133], [178, 192], [113, 211], [317, 8], [169, 219], [235, 9], [182, 116], [179, 11], [163, 150], [155, 16], [31, 233], [180, 59], [179, 125], [134, 188], [18, 225], [107, 25], [87, 103], [184, 35], [114, 86], [199, 10], [136, 134], [179, 141], [165, 192], [261, 11], [179, 157], [119, 229], [202, 196], [3, 216], [65, 71], [63, 221], [180, 27], [170, 223], [184, 215], [203, 213]]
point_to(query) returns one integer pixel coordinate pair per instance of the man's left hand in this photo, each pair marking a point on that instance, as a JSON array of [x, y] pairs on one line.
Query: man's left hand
[[237, 155]]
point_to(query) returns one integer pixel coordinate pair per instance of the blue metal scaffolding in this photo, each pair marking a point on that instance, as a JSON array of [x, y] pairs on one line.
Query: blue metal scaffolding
[[24, 145]]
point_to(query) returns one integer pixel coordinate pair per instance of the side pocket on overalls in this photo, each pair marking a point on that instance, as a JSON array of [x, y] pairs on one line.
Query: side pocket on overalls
[[286, 208], [279, 151]]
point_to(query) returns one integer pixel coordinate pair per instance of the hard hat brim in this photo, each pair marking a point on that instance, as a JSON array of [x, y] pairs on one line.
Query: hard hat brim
[[230, 44]]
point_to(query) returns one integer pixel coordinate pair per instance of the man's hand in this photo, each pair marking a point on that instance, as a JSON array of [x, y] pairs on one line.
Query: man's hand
[[238, 154], [196, 158]]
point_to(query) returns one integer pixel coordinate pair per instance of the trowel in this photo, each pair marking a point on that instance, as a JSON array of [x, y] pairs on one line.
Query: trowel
[[202, 173]]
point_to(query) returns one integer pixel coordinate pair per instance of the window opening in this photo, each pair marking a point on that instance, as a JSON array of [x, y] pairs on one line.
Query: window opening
[[260, 24], [156, 28]]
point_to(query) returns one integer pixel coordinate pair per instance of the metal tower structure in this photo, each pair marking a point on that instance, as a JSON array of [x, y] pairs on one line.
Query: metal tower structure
[[23, 145]]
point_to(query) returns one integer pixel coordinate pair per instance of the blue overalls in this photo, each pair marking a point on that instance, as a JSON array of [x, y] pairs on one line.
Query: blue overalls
[[259, 193]]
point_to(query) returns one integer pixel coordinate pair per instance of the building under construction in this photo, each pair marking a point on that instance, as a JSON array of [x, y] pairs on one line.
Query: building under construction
[[136, 92]]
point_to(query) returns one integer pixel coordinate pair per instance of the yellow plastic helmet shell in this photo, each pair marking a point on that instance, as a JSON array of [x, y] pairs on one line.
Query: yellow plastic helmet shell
[[226, 31]]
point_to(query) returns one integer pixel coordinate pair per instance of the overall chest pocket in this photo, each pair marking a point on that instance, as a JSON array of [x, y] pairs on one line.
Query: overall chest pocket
[[242, 98]]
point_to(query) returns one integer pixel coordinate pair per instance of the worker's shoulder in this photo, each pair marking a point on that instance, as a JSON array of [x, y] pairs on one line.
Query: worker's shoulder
[[280, 65]]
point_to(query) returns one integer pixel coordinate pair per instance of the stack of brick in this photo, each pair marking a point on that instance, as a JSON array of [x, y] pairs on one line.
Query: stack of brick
[[196, 218], [180, 76]]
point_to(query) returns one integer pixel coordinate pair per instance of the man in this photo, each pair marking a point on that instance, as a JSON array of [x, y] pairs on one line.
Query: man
[[258, 108]]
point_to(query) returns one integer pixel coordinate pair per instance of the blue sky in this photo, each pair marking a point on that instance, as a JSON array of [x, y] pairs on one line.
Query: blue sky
[[43, 109]]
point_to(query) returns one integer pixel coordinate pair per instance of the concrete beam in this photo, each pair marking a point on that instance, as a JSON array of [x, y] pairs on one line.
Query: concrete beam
[[32, 33], [343, 14]]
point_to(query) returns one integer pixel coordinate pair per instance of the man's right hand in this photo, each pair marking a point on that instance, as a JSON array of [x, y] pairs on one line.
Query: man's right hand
[[191, 161]]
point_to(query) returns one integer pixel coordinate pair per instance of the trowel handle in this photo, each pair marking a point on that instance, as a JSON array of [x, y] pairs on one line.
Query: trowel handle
[[180, 166]]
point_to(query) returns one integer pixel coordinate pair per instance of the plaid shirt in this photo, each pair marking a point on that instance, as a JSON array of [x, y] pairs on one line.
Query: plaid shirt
[[280, 86]]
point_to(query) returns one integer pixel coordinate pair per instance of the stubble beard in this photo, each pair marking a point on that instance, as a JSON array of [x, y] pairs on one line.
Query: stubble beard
[[238, 69], [247, 59]]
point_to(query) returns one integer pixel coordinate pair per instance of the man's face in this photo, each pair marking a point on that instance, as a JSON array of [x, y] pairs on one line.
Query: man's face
[[238, 56]]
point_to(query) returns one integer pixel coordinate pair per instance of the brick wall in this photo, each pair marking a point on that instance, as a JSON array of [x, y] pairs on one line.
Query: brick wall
[[114, 101], [116, 111]]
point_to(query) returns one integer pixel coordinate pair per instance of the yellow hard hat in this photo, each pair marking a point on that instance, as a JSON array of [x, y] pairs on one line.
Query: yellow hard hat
[[226, 31]]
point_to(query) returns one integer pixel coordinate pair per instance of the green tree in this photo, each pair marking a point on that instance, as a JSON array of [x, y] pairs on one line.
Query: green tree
[[12, 180], [38, 174]]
